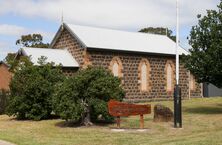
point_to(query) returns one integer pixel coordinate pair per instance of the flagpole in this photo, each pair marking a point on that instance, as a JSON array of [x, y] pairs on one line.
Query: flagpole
[[177, 90], [177, 45]]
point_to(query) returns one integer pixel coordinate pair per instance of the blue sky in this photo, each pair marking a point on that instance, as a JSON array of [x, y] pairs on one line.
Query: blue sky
[[44, 16]]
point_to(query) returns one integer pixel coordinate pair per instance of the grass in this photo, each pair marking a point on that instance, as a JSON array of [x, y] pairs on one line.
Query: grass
[[201, 126]]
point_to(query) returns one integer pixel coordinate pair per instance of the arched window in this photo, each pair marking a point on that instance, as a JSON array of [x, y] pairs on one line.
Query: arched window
[[192, 82], [116, 67], [144, 75], [169, 76]]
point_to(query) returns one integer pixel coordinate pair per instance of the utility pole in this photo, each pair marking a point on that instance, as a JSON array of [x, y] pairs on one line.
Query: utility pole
[[177, 90]]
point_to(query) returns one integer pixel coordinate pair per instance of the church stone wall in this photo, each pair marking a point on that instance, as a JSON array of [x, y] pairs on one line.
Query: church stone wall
[[130, 72]]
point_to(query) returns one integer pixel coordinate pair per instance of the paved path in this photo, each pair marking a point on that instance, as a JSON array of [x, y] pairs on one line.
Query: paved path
[[5, 143]]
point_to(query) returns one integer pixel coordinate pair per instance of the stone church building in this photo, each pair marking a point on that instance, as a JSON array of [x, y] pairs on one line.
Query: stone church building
[[144, 62]]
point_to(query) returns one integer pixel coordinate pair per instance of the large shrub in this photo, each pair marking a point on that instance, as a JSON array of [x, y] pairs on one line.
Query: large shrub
[[3, 101], [85, 96], [205, 56], [31, 91]]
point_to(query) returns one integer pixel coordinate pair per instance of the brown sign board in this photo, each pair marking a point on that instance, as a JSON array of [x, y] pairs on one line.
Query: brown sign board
[[119, 109]]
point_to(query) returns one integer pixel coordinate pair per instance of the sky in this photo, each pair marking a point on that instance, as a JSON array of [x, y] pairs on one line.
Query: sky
[[21, 17]]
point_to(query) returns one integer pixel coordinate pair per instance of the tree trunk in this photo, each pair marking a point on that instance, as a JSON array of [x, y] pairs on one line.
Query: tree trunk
[[86, 119]]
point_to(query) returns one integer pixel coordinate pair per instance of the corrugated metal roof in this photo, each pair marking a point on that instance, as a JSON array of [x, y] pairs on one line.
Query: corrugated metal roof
[[125, 41], [58, 56]]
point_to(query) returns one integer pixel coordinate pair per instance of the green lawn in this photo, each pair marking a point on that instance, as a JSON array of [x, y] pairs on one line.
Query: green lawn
[[202, 124]]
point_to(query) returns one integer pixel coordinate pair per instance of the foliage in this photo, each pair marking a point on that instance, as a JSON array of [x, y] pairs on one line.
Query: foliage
[[159, 30], [16, 64], [85, 96], [9, 59], [66, 100], [3, 101], [205, 58], [32, 40], [31, 91], [99, 111]]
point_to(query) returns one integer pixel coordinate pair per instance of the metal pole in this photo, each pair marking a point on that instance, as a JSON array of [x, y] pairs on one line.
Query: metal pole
[[177, 90], [177, 45]]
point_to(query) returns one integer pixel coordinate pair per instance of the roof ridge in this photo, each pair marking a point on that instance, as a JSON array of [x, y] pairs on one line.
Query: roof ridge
[[112, 39], [110, 29]]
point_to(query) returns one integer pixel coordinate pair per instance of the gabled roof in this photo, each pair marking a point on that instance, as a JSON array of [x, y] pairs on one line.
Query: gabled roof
[[58, 56], [108, 39]]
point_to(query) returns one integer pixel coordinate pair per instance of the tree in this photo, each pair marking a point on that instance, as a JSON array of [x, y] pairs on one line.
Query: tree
[[16, 64], [205, 58], [32, 40], [85, 96], [31, 91], [159, 30], [3, 100]]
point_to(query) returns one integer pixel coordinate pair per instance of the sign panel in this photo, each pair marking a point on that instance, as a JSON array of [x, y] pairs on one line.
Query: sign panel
[[125, 109]]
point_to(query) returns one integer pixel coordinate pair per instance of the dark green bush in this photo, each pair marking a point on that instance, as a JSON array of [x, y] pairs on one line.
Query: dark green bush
[[85, 96], [31, 91], [99, 111], [3, 101]]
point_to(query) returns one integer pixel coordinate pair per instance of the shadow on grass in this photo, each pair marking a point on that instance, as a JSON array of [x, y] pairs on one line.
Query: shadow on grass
[[204, 110], [70, 124], [51, 117], [219, 105], [65, 124]]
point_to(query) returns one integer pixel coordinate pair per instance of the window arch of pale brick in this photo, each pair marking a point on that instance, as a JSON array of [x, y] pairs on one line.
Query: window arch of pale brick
[[144, 75], [192, 82], [170, 76], [116, 67]]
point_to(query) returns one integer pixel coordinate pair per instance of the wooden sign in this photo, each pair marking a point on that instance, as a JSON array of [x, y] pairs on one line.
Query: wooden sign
[[125, 109], [119, 109]]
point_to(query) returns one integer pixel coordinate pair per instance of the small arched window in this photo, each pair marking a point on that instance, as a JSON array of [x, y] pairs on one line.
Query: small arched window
[[169, 76], [192, 82], [116, 67], [144, 75]]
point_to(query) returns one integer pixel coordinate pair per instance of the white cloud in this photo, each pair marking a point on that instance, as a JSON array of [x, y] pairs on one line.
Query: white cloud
[[17, 31], [123, 14], [11, 30]]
